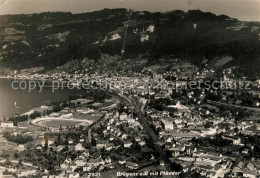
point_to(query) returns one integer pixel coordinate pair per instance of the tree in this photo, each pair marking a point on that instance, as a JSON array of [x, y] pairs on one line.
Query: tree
[[8, 162], [93, 142], [208, 124], [6, 156], [15, 123], [60, 128], [35, 114], [59, 139], [46, 145], [16, 155], [20, 162]]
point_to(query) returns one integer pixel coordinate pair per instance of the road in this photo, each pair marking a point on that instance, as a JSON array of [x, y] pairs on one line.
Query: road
[[134, 103], [232, 105], [95, 125], [17, 162]]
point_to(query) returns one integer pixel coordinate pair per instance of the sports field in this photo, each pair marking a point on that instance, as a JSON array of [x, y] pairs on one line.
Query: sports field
[[56, 122]]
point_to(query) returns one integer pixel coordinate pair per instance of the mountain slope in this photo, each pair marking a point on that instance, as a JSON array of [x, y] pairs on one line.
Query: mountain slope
[[52, 39]]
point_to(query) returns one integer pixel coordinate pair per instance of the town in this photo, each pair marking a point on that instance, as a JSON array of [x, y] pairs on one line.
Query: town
[[177, 122]]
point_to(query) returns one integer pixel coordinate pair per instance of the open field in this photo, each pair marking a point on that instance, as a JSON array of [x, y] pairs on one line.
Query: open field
[[56, 123]]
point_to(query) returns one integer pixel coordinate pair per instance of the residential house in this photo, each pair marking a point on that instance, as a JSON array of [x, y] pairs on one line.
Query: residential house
[[131, 165], [70, 141], [102, 144], [110, 146], [96, 162], [74, 175], [127, 144], [80, 162], [167, 124], [7, 124]]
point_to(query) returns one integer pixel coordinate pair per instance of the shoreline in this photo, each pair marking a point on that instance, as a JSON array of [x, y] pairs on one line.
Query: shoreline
[[22, 78]]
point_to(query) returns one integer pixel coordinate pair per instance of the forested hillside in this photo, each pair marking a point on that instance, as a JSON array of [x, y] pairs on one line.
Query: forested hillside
[[52, 39]]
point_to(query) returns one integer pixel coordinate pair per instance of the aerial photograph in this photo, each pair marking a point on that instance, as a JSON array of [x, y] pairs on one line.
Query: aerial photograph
[[129, 88]]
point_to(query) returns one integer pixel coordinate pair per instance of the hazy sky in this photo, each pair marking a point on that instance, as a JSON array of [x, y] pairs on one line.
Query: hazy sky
[[248, 10]]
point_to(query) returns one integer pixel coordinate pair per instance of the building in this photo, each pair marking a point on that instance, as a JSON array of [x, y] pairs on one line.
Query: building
[[7, 124], [144, 38], [102, 144], [123, 116], [81, 101], [131, 165], [20, 148], [127, 144], [167, 124], [155, 76], [96, 162]]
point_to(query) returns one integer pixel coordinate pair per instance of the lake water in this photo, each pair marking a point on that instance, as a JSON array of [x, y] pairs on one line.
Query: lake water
[[19, 101]]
